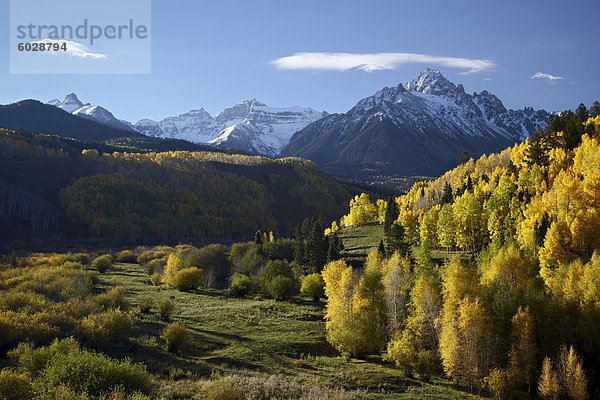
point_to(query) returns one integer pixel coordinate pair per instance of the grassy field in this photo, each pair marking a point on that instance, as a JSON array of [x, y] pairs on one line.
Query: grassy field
[[253, 337], [359, 241]]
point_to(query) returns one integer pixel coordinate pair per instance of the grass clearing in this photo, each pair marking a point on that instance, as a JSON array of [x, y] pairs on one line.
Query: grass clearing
[[253, 337]]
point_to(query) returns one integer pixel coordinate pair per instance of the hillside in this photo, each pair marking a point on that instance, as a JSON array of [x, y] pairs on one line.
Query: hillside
[[96, 193], [487, 274]]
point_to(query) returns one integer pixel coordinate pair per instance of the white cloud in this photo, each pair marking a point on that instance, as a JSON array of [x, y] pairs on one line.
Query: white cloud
[[74, 49], [376, 61], [550, 78]]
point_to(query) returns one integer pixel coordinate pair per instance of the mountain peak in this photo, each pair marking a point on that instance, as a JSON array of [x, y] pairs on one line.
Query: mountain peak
[[72, 98], [430, 81]]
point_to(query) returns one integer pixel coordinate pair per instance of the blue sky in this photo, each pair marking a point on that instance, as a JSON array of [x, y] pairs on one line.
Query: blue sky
[[216, 54]]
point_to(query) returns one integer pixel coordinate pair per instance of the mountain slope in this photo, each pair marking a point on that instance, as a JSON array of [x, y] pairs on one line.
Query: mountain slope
[[45, 118], [55, 188], [420, 128], [250, 126]]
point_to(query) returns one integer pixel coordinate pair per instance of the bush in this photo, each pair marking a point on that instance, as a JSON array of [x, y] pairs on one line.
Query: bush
[[127, 256], [223, 388], [498, 383], [165, 308], [313, 286], [155, 278], [102, 263], [281, 287], [176, 336], [85, 371], [241, 285], [212, 259], [113, 325], [156, 265], [187, 278], [16, 327], [83, 258], [114, 298], [146, 303], [15, 385]]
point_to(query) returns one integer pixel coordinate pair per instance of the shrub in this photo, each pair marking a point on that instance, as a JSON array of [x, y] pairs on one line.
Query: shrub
[[102, 263], [155, 278], [16, 327], [114, 298], [223, 388], [85, 371], [156, 265], [15, 385], [176, 336], [252, 260], [83, 258], [165, 308], [241, 285], [281, 287], [498, 383], [187, 278], [113, 325], [313, 286], [126, 256], [426, 364], [146, 303]]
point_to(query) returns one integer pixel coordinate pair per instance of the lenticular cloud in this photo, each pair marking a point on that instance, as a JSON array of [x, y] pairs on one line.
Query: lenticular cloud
[[375, 61]]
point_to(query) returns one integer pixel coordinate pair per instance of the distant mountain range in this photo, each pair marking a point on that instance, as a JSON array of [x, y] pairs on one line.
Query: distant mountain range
[[420, 128], [250, 126]]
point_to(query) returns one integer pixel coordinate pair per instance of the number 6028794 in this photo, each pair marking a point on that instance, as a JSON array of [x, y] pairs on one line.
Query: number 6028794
[[36, 46]]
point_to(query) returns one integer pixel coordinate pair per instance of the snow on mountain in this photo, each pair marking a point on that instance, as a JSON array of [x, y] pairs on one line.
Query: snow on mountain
[[414, 129], [250, 126], [73, 105]]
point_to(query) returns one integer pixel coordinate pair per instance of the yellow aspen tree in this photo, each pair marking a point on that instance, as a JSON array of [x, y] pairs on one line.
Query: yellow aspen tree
[[342, 322], [521, 357], [173, 266], [475, 339], [428, 228], [372, 305], [397, 281], [575, 381], [445, 227], [458, 282], [548, 384]]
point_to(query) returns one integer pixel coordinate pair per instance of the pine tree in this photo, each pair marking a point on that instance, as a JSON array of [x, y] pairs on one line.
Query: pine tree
[[333, 250], [595, 109], [258, 238], [447, 196], [396, 240], [315, 248], [464, 158], [381, 248], [391, 214], [582, 112], [572, 133]]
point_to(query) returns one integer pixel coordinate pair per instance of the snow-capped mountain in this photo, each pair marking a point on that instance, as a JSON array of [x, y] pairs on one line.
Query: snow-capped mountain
[[250, 126], [73, 105], [420, 128]]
